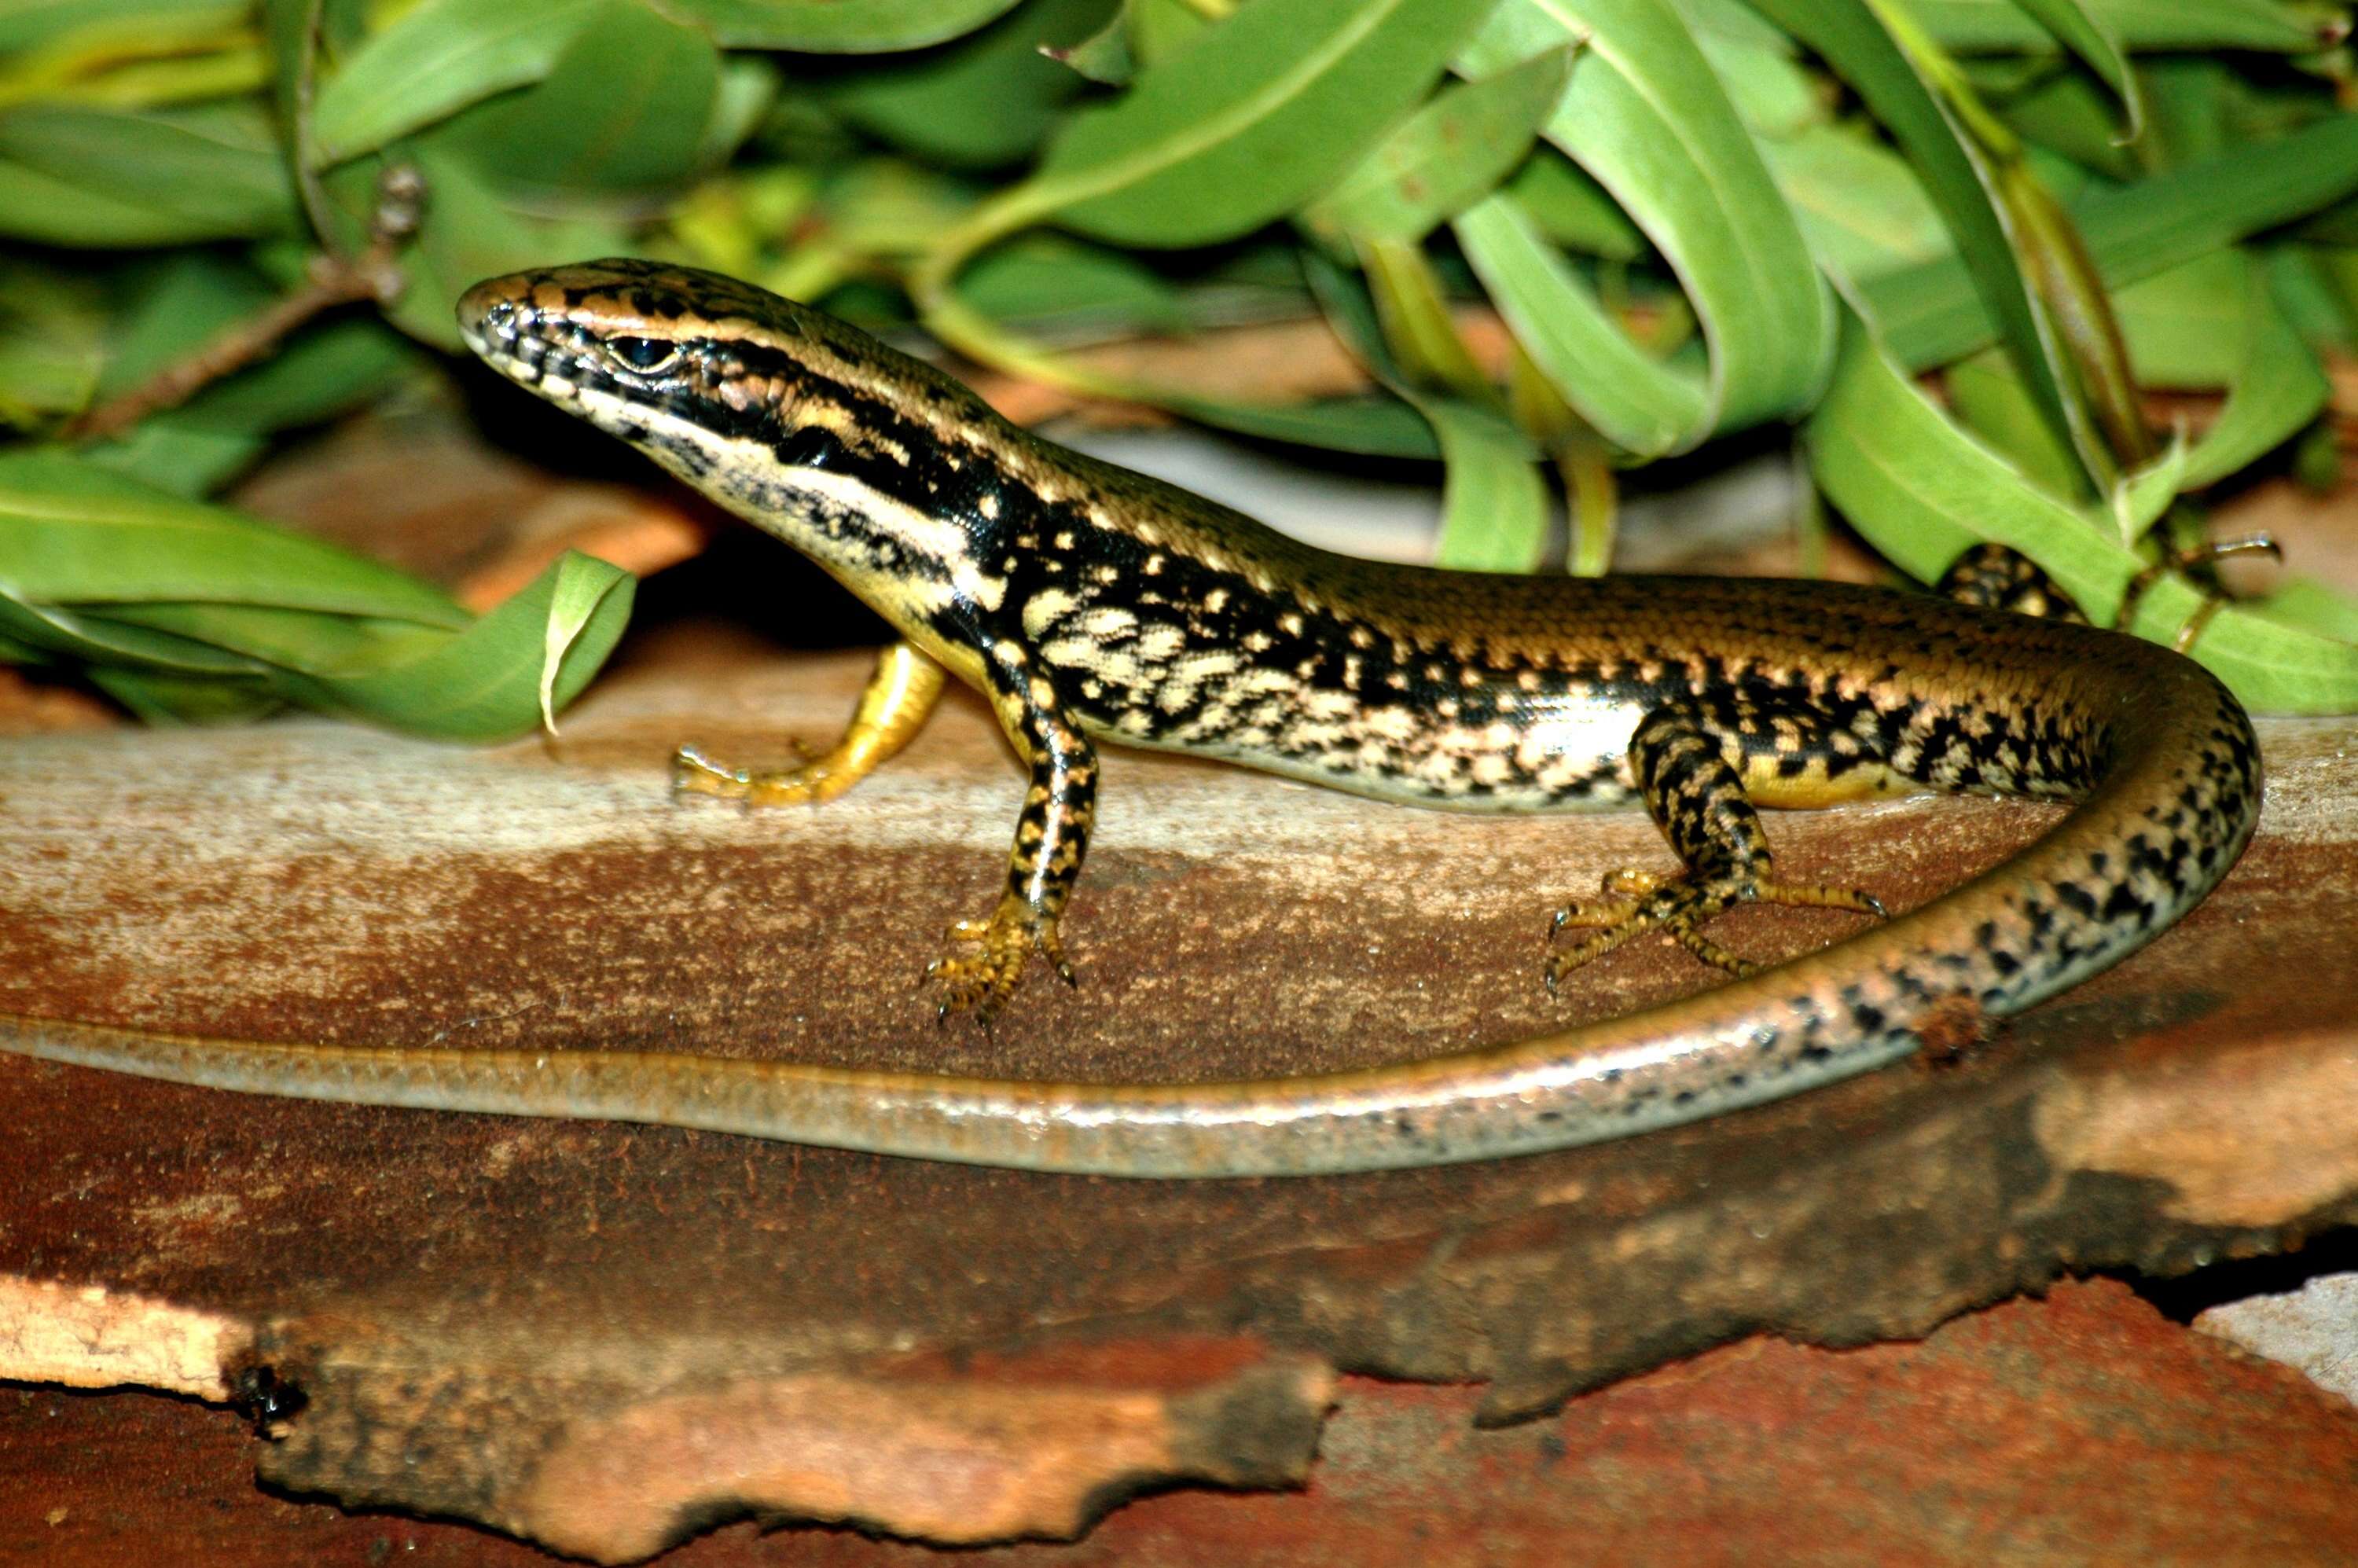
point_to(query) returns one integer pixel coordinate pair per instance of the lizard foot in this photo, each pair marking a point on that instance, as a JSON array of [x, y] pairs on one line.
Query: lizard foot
[[813, 779], [986, 960], [1678, 905]]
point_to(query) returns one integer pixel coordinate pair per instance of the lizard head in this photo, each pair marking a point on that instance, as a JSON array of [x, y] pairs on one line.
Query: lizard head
[[725, 384]]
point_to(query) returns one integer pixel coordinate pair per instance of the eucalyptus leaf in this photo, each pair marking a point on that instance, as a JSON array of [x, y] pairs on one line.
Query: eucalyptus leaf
[[2276, 391], [836, 26], [1928, 314], [27, 25], [1646, 115], [77, 533], [1569, 209], [1773, 94], [50, 209], [2005, 25], [1447, 156], [182, 458], [983, 102], [1495, 511], [1377, 427], [1970, 187], [1633, 400], [529, 657], [1050, 279], [433, 60], [158, 698], [51, 329], [2308, 605], [99, 569], [1922, 491], [624, 107], [1986, 395], [2140, 499], [748, 89], [474, 231], [1862, 209], [215, 169], [1494, 507], [1269, 107], [1105, 56], [2087, 32], [2185, 327]]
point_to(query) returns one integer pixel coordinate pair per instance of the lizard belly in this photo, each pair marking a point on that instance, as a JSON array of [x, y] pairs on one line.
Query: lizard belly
[[1480, 749]]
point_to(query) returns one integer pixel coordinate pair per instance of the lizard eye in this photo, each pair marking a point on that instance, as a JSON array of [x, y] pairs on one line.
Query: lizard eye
[[645, 355]]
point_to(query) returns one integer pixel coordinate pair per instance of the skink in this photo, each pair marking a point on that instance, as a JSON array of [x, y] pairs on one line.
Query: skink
[[1090, 603]]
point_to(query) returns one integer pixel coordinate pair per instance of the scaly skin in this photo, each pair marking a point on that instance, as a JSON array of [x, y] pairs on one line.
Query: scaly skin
[[1087, 602]]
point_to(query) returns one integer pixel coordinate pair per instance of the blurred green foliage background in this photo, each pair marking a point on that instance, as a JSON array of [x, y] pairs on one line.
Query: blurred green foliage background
[[1694, 217]]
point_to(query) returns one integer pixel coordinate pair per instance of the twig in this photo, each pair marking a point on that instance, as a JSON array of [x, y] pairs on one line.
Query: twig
[[331, 280]]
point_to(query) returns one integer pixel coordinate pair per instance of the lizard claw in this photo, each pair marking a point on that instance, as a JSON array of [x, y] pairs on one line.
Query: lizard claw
[[1679, 906], [987, 957]]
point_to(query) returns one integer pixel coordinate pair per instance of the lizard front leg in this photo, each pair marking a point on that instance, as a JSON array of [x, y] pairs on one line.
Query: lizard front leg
[[985, 959]]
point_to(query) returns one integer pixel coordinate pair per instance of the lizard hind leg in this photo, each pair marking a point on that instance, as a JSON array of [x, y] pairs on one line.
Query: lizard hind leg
[[1704, 768]]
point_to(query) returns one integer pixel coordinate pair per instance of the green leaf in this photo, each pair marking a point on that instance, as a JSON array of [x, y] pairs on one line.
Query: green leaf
[[530, 656], [1377, 427], [473, 231], [2185, 327], [2140, 499], [1773, 94], [79, 534], [1966, 184], [2308, 605], [836, 26], [2083, 28], [2277, 390], [48, 211], [324, 371], [435, 59], [1494, 507], [1922, 491], [1928, 314], [27, 25], [1571, 210], [1863, 209], [51, 331], [158, 698], [1449, 154], [2002, 26], [1104, 57], [1633, 400], [984, 102], [624, 107], [214, 170], [1987, 395], [1163, 29], [1646, 115], [1242, 127], [134, 581], [748, 91], [182, 458], [1048, 279]]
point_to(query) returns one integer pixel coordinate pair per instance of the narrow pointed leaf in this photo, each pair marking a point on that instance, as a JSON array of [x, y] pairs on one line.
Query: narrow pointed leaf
[[1448, 155], [1921, 491], [1647, 117], [1243, 126]]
